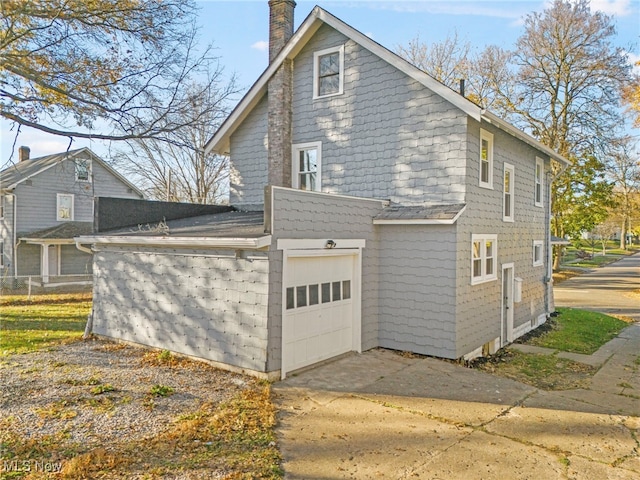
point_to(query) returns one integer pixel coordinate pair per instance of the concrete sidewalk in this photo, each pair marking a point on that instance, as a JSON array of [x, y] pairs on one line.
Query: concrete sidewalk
[[383, 415]]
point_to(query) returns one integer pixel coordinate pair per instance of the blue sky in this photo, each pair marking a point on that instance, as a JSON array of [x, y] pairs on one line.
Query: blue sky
[[239, 32]]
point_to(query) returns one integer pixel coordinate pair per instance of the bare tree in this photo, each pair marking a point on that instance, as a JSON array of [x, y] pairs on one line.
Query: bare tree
[[69, 65], [179, 170], [624, 169]]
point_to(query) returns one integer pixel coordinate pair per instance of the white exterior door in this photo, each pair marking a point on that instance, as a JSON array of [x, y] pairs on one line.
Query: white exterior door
[[320, 308]]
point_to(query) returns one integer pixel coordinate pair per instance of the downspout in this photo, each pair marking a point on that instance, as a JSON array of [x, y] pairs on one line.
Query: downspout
[[549, 254], [83, 249]]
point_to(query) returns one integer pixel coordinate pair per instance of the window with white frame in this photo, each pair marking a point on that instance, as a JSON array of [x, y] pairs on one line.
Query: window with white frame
[[1, 254], [83, 169], [64, 207], [538, 182], [508, 203], [328, 72], [307, 166], [484, 258], [486, 159], [538, 252]]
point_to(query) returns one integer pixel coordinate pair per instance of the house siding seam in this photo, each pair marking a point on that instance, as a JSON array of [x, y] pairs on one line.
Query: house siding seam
[[387, 136], [305, 215], [212, 307], [479, 306]]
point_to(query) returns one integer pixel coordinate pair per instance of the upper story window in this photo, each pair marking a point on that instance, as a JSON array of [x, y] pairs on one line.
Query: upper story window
[[486, 159], [307, 163], [328, 72], [538, 182], [508, 203], [2, 197], [537, 253], [64, 207], [83, 169], [484, 258]]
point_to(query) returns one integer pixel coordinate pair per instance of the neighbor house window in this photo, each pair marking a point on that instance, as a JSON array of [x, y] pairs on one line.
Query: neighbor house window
[[538, 181], [64, 207], [328, 72], [538, 252], [1, 254], [486, 159], [508, 200], [2, 197], [83, 169], [307, 166], [484, 250]]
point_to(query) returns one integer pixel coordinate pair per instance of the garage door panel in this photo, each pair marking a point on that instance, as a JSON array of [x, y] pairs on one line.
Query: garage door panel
[[319, 314]]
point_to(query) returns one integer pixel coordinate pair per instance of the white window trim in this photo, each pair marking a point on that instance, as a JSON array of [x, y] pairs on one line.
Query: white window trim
[[539, 262], [511, 169], [536, 202], [484, 135], [89, 168], [295, 149], [71, 214], [483, 250], [316, 72]]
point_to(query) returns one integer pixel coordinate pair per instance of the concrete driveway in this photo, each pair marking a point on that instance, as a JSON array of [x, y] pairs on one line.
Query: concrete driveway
[[384, 415]]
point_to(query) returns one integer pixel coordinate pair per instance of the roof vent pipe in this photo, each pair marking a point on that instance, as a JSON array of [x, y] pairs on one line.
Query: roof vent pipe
[[462, 87]]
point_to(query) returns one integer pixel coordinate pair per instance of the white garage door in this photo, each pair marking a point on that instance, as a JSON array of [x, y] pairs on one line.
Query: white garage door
[[318, 320]]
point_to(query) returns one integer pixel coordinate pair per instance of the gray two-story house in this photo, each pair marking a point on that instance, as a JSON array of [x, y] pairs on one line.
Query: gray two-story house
[[44, 203], [375, 207]]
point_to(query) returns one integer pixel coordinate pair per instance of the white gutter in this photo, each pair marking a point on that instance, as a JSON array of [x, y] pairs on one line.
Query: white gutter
[[83, 249], [183, 242]]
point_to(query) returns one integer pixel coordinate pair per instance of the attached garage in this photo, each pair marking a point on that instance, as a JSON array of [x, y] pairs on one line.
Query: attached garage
[[321, 305]]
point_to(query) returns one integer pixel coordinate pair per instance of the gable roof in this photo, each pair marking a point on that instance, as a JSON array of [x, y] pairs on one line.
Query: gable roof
[[14, 175], [66, 230], [220, 141]]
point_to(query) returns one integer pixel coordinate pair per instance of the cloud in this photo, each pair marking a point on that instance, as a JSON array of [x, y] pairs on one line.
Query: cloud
[[619, 8], [261, 45]]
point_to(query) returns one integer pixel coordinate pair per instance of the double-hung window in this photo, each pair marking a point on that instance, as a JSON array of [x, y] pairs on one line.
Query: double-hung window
[[328, 72], [538, 253], [486, 159], [484, 258], [508, 203], [307, 166], [83, 169], [538, 183], [64, 207]]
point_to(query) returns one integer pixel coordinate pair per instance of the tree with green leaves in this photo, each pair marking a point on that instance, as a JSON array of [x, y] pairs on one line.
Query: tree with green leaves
[[70, 67]]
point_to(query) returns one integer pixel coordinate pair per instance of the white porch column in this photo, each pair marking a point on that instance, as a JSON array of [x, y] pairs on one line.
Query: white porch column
[[44, 266]]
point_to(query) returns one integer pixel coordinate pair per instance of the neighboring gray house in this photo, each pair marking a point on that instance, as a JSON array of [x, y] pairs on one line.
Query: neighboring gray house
[[376, 208], [44, 203]]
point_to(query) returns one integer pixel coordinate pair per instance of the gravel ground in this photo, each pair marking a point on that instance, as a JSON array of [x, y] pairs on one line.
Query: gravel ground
[[48, 392]]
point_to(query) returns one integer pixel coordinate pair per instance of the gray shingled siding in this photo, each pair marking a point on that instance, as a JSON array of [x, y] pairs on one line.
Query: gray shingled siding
[[306, 215], [479, 306], [248, 174], [28, 259], [74, 261], [418, 289], [387, 136], [209, 304]]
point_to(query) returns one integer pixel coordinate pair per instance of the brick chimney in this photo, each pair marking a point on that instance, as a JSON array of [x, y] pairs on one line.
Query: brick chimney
[[23, 153], [279, 93]]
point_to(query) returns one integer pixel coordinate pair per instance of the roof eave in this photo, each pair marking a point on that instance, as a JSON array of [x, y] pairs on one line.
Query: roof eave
[[178, 242], [507, 127]]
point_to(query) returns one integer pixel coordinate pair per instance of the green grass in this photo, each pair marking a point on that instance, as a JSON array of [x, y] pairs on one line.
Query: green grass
[[579, 331], [42, 321]]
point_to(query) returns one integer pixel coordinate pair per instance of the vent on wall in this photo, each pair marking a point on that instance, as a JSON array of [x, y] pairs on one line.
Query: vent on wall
[[29, 183]]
